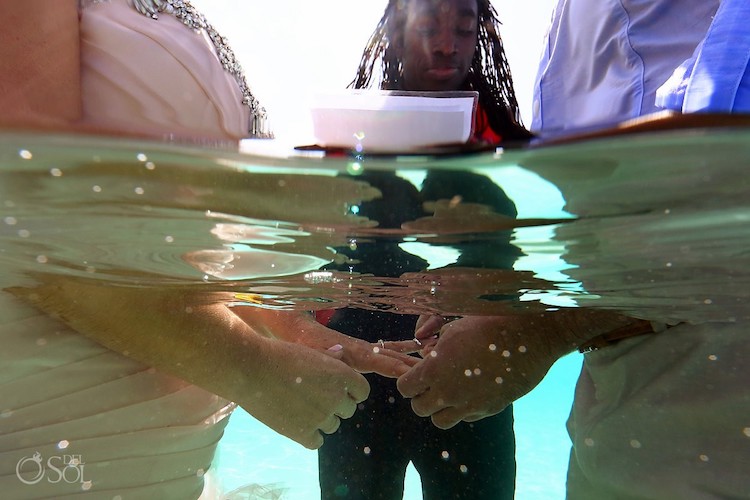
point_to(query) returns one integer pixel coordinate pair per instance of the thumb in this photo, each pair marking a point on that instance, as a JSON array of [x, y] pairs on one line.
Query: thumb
[[428, 326], [412, 383]]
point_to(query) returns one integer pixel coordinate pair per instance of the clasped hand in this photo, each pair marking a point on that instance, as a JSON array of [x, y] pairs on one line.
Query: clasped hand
[[472, 367]]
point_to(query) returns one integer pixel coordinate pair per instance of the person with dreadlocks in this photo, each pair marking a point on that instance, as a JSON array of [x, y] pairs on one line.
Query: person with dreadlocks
[[426, 45], [401, 57]]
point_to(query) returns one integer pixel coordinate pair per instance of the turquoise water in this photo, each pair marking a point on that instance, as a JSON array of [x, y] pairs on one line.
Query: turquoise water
[[250, 453], [638, 219]]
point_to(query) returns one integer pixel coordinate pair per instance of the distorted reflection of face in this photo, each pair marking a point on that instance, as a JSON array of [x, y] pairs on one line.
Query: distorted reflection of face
[[439, 41]]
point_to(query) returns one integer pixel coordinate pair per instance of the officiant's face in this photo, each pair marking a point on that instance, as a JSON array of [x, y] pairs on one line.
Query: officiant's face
[[439, 40]]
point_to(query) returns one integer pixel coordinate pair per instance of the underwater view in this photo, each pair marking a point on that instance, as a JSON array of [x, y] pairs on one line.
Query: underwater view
[[374, 250], [632, 223]]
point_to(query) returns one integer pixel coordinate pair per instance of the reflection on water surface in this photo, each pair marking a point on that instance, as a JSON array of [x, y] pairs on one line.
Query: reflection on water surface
[[645, 224]]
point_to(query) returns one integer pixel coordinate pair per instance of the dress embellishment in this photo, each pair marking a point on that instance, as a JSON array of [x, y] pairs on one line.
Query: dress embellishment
[[183, 11]]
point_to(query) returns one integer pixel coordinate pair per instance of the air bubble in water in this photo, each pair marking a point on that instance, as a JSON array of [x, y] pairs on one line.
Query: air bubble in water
[[354, 168]]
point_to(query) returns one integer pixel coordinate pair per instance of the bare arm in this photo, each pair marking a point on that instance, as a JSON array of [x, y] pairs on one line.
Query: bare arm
[[301, 328], [297, 391], [481, 364], [40, 71]]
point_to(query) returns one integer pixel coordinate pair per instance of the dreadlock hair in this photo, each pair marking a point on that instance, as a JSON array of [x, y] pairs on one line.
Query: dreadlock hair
[[489, 73]]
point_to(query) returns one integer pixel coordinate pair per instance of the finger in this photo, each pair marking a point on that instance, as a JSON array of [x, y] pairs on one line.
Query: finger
[[330, 425], [427, 404], [427, 349], [412, 383], [381, 361], [429, 327], [392, 353], [476, 417], [448, 417], [312, 442], [402, 346], [423, 319], [358, 389], [390, 367], [346, 409]]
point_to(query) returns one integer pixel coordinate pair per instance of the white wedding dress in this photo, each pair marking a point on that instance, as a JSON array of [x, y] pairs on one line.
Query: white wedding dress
[[131, 431]]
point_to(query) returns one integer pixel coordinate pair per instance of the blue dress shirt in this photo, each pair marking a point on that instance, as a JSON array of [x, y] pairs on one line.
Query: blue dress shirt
[[717, 77], [606, 61]]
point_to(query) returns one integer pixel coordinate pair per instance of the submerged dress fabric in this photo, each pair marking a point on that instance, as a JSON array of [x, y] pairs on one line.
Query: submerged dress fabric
[[135, 432], [664, 416]]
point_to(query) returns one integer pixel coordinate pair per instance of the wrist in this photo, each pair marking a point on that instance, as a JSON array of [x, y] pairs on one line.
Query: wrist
[[581, 328]]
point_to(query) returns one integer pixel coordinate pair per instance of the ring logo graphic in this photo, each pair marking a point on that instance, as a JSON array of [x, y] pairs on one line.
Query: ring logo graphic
[[56, 469]]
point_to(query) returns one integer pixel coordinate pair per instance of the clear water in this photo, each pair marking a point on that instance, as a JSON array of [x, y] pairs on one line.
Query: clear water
[[251, 453], [632, 223]]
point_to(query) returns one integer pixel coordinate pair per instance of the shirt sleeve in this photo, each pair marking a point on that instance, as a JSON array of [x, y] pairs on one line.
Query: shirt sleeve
[[716, 78]]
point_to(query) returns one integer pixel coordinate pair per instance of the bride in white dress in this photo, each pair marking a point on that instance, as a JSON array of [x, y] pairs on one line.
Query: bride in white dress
[[116, 427]]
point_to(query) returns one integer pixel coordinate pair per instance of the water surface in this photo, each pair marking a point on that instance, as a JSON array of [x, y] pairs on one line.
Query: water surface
[[654, 225]]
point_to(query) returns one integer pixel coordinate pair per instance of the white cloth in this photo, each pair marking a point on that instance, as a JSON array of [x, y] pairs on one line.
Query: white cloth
[[663, 416], [135, 432]]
